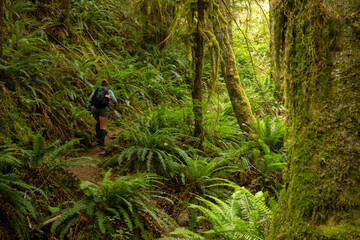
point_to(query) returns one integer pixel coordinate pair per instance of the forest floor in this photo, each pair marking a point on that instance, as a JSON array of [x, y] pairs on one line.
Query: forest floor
[[93, 173]]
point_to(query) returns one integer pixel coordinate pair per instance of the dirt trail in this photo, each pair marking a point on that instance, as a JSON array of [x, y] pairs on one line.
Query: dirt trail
[[89, 173]]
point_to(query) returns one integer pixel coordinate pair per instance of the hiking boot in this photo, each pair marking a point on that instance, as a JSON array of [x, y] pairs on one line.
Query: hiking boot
[[97, 129], [102, 137]]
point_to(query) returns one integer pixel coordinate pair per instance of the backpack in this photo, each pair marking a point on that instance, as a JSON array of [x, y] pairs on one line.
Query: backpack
[[99, 100]]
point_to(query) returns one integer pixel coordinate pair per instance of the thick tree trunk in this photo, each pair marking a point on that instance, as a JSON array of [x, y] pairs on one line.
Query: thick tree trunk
[[239, 100], [197, 86], [319, 54]]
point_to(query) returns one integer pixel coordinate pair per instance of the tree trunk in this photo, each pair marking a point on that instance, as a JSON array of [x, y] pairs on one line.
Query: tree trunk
[[277, 36], [239, 100], [230, 22], [197, 86], [316, 44]]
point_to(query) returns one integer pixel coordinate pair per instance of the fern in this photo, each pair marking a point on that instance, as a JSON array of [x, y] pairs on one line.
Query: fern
[[112, 202], [270, 130], [242, 216], [68, 215], [15, 203], [152, 152], [7, 160], [40, 155], [222, 131], [198, 172]]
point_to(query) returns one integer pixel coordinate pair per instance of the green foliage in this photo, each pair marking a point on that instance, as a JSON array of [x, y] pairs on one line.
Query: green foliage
[[150, 78], [15, 202], [197, 173], [261, 97], [252, 52], [114, 205], [222, 131], [270, 130], [242, 216], [50, 67], [263, 150], [267, 161], [153, 144], [165, 116], [153, 152], [109, 24], [30, 86], [49, 157]]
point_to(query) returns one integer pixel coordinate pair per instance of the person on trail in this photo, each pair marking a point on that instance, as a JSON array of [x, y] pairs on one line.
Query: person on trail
[[99, 100]]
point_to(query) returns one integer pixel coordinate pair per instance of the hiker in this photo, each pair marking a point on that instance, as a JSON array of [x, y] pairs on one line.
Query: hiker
[[99, 100]]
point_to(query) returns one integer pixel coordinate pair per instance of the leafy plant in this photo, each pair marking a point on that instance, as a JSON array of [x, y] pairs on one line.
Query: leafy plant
[[15, 203], [242, 216], [153, 152], [267, 161], [266, 145], [164, 116], [261, 97], [115, 205], [49, 157], [270, 130], [197, 173], [154, 143], [223, 134]]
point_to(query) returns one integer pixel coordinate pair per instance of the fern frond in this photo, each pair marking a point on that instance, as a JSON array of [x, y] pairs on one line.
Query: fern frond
[[66, 227], [188, 233], [100, 218], [67, 215], [127, 218]]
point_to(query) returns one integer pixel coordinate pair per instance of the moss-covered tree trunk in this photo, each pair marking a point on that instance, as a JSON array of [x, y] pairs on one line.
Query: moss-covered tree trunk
[[317, 50], [229, 19], [277, 36], [197, 86], [239, 100]]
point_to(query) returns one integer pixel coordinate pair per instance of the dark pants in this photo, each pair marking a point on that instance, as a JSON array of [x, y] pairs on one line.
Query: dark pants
[[100, 112]]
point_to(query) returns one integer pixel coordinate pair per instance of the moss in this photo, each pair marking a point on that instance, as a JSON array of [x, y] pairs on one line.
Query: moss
[[321, 199], [344, 228]]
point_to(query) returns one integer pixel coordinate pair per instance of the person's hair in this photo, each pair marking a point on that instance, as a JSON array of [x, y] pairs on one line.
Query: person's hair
[[104, 83]]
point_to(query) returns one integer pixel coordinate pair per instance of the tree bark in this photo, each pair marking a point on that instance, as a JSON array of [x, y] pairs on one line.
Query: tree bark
[[239, 100], [317, 52], [230, 22], [277, 36], [197, 86]]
